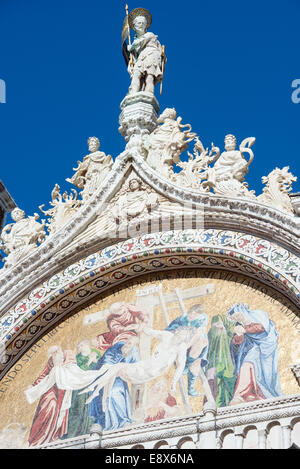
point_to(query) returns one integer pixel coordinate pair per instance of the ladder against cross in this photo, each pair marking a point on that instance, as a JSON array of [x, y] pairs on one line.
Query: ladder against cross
[[148, 299]]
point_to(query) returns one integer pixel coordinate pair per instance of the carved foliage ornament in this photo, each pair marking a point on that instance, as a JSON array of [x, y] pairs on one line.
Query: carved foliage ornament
[[63, 208]]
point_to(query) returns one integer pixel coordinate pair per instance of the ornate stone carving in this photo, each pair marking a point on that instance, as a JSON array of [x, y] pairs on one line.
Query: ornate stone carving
[[22, 237], [194, 170], [134, 200], [227, 175], [278, 185], [172, 431], [219, 212], [295, 200], [63, 208], [92, 170], [166, 143], [138, 119]]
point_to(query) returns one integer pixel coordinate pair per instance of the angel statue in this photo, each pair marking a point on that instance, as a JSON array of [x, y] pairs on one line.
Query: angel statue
[[22, 237], [145, 57]]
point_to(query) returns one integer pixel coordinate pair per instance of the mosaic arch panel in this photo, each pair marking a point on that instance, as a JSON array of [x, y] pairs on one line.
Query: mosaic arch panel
[[259, 257], [154, 348]]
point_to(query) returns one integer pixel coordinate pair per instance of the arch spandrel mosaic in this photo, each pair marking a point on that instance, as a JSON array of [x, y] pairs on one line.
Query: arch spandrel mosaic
[[156, 348]]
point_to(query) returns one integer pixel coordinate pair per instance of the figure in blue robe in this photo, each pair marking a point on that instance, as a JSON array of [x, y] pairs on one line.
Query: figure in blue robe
[[257, 348], [193, 319], [118, 405]]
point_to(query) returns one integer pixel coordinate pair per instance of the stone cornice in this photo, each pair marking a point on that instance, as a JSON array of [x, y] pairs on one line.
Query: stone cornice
[[234, 214], [227, 418]]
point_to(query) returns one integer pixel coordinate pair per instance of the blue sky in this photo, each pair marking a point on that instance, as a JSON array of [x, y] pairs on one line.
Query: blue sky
[[230, 68]]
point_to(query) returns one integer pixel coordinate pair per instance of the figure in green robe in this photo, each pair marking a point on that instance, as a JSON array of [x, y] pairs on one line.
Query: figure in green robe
[[220, 369], [79, 420]]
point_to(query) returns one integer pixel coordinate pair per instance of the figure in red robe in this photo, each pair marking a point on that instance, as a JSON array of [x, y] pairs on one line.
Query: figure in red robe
[[160, 403], [51, 417], [122, 323]]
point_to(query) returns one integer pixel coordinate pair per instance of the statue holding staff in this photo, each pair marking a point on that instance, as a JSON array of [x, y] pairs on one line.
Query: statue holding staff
[[147, 57]]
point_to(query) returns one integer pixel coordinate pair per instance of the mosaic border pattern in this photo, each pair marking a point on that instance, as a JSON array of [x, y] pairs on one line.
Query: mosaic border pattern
[[78, 283]]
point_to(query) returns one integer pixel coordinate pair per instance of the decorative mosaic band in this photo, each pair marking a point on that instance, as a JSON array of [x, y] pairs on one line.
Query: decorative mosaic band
[[217, 249]]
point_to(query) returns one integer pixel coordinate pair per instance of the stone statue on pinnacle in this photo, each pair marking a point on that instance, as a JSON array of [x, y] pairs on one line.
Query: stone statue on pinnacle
[[145, 57]]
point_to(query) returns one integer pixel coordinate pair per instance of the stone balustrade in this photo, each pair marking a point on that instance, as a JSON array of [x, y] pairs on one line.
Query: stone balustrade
[[267, 424]]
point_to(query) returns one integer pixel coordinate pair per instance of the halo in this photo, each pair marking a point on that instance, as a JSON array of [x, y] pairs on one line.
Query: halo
[[139, 12]]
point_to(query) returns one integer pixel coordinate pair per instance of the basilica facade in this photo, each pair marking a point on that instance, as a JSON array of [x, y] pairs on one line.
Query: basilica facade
[[155, 305]]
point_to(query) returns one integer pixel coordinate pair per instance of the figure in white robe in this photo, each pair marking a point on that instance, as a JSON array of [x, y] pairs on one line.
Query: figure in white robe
[[171, 349], [54, 388]]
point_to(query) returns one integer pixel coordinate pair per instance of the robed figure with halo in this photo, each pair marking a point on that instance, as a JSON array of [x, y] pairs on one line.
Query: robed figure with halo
[[145, 57]]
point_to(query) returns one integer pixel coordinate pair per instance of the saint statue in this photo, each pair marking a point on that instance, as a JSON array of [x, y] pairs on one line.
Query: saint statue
[[22, 237], [92, 170], [146, 57]]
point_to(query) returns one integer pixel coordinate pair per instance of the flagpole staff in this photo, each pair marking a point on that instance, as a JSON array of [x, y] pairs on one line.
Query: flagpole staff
[[164, 59], [131, 64]]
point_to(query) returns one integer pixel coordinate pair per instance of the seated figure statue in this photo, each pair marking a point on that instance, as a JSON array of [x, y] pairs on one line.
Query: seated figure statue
[[227, 175]]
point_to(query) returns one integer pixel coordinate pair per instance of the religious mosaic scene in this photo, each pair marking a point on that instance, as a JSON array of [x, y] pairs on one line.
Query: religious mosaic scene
[[154, 350]]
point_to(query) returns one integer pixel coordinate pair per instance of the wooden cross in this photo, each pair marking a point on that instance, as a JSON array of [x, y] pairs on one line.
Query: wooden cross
[[149, 299]]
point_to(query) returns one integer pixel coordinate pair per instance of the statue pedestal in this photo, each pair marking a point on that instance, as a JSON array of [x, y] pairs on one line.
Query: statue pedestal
[[138, 117]]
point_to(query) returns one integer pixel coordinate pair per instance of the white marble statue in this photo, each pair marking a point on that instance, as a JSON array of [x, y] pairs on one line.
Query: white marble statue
[[276, 192], [92, 171], [166, 143], [22, 237], [227, 175], [63, 208], [146, 54]]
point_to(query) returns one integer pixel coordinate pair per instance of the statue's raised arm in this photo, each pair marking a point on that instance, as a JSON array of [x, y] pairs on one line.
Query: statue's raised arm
[[146, 57]]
